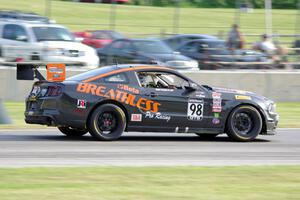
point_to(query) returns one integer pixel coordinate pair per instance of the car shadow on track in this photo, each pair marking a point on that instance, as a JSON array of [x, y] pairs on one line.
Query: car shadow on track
[[181, 139], [125, 138]]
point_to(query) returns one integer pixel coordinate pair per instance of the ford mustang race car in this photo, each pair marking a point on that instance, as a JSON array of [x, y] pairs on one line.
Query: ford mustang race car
[[110, 100]]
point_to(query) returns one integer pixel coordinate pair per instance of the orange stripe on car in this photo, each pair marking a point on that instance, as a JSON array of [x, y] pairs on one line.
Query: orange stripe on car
[[122, 70]]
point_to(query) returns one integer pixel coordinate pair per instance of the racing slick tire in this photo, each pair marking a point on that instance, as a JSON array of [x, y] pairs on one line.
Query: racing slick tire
[[107, 122], [244, 124], [72, 132], [207, 136]]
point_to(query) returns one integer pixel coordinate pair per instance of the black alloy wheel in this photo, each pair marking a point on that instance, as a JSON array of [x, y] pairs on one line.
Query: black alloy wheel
[[244, 123]]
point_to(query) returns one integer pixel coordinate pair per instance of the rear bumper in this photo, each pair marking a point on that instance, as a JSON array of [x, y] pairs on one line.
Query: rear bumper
[[42, 120], [42, 111], [46, 117], [52, 112]]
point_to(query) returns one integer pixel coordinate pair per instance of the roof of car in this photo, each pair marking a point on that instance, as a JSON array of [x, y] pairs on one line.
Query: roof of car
[[114, 69], [31, 24], [22, 16]]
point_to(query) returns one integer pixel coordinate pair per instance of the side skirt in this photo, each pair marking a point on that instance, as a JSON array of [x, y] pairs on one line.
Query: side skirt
[[174, 129]]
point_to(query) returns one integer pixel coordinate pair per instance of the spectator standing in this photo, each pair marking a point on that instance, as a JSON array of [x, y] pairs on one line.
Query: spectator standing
[[235, 38]]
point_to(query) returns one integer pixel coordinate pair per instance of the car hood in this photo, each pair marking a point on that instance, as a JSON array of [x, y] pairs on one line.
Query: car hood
[[231, 91], [238, 94]]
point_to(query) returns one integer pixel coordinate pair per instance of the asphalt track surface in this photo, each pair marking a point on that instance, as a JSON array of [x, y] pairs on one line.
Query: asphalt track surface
[[48, 147]]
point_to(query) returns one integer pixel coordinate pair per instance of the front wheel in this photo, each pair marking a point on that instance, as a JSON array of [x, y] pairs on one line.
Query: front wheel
[[72, 132], [244, 124], [107, 122]]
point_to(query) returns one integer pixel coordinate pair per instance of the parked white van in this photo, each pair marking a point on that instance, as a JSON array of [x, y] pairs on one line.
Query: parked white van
[[45, 42]]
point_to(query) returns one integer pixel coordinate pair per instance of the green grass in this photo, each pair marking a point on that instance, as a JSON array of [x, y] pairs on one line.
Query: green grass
[[147, 183], [289, 115], [15, 111], [153, 20]]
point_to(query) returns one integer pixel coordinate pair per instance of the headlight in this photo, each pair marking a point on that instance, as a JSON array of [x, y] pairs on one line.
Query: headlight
[[272, 108]]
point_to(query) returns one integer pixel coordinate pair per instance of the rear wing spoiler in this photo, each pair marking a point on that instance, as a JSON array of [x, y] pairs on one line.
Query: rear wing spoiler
[[56, 72]]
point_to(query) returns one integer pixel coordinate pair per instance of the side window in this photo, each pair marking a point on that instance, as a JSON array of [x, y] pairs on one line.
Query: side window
[[14, 32], [116, 78], [116, 46], [127, 47], [173, 80], [162, 80]]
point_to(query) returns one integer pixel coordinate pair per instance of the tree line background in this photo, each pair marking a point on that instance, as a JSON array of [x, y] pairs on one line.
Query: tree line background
[[277, 4]]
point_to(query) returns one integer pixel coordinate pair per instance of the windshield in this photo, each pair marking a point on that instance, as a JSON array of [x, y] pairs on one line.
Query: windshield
[[155, 47], [52, 34]]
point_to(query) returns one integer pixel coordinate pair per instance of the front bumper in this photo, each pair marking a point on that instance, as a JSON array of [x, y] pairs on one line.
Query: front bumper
[[271, 125]]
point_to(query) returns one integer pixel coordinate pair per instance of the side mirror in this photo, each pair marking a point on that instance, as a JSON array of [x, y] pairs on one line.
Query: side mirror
[[22, 38], [192, 87]]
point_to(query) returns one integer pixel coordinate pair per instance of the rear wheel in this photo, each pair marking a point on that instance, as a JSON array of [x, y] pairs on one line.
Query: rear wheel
[[244, 124], [107, 122], [72, 132]]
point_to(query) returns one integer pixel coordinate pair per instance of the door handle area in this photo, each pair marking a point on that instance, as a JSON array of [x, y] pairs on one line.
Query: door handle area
[[151, 94]]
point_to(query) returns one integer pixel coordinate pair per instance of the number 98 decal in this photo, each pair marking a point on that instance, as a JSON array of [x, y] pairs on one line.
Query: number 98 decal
[[195, 109]]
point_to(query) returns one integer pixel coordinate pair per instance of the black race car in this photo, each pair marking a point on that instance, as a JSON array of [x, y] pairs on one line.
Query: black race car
[[108, 101]]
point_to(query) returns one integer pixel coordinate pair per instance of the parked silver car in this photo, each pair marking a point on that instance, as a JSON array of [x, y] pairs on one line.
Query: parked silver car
[[22, 40]]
